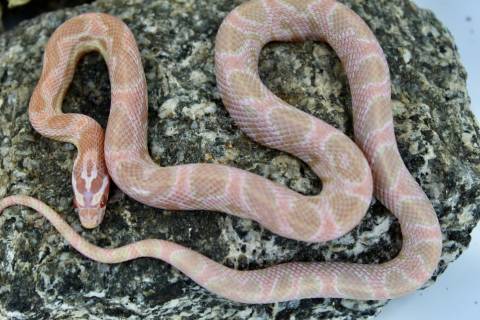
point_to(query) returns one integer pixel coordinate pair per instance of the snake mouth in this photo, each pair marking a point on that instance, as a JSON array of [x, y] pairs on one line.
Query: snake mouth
[[91, 217]]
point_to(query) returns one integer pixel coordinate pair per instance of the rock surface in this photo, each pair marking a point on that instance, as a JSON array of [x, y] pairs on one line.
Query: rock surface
[[41, 277]]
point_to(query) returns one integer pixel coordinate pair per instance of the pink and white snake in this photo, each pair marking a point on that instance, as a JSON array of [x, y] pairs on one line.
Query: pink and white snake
[[349, 173]]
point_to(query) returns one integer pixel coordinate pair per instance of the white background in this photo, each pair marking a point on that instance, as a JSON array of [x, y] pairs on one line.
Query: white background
[[456, 295]]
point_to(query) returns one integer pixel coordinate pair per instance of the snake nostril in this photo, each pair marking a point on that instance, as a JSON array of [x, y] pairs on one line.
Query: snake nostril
[[90, 217]]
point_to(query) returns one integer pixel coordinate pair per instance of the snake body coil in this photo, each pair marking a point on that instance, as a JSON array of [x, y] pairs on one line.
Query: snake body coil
[[348, 172]]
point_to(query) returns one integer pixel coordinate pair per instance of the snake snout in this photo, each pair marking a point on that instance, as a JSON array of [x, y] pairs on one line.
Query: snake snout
[[91, 217]]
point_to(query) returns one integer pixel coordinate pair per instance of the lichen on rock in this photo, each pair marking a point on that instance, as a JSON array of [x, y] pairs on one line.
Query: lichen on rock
[[17, 3], [42, 277]]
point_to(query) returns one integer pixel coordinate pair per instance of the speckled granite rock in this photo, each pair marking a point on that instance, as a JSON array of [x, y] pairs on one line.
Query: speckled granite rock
[[1, 14], [41, 277]]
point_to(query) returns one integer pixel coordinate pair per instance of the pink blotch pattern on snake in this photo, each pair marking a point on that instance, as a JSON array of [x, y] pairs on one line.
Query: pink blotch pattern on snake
[[349, 173]]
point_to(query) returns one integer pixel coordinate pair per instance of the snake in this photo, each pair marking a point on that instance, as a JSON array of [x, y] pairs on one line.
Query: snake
[[351, 172]]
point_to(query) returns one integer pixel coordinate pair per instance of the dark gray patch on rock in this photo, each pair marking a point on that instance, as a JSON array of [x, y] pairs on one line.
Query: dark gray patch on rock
[[42, 277]]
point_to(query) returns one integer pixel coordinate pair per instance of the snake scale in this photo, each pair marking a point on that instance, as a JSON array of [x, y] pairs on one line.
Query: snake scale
[[350, 172]]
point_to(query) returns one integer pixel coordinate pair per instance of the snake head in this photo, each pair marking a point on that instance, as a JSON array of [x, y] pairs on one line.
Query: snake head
[[91, 186]]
